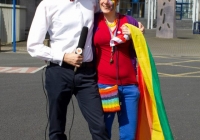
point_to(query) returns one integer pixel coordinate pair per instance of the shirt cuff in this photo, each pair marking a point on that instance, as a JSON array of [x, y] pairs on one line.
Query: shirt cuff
[[58, 58]]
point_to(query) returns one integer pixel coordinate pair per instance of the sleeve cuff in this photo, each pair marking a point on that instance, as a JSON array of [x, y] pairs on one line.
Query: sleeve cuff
[[58, 58]]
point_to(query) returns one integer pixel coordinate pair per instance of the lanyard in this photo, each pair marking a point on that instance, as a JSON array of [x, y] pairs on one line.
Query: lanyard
[[113, 35], [113, 49]]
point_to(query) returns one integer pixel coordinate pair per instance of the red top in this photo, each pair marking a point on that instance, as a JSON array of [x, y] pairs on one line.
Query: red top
[[107, 72]]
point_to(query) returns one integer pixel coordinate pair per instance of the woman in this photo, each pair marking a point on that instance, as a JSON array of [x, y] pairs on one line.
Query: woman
[[115, 66]]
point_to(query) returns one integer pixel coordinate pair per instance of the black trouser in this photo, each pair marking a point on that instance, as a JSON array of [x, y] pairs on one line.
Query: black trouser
[[60, 81]]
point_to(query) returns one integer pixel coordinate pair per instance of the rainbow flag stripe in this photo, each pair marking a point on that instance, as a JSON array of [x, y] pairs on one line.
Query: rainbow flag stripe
[[152, 120]]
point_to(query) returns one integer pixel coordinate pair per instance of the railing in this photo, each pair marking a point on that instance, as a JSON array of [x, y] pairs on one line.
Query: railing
[[196, 26], [137, 9]]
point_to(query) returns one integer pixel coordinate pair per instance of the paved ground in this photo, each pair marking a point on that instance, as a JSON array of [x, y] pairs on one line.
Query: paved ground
[[23, 102], [186, 44]]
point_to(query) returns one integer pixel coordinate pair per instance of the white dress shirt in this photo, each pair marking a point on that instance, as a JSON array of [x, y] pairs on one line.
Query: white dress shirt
[[63, 20]]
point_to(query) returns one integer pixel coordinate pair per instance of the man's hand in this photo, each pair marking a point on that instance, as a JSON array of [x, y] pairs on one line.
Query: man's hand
[[73, 59], [141, 27]]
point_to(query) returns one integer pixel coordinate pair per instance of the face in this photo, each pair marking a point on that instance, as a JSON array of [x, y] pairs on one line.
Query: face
[[108, 6]]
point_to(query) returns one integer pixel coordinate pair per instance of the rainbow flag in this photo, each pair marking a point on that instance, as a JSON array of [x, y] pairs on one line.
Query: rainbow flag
[[152, 119]]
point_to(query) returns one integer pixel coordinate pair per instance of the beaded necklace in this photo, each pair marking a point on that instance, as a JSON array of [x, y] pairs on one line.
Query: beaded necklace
[[110, 25]]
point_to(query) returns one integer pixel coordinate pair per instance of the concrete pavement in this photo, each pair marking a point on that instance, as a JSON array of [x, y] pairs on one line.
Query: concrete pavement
[[186, 44], [23, 102]]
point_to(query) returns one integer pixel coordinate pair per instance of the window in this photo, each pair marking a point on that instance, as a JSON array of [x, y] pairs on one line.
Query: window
[[184, 1], [8, 1], [135, 8], [184, 9]]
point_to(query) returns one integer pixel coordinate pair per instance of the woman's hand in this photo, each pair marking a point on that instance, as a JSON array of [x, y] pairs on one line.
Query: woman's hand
[[141, 27], [125, 30]]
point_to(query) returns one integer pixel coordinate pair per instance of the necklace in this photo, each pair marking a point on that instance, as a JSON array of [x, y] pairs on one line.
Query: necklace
[[113, 24]]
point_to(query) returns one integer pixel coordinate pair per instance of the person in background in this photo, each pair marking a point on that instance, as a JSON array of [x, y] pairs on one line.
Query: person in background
[[114, 66]]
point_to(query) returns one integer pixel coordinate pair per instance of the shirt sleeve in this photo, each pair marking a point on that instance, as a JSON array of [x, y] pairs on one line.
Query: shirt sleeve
[[37, 33]]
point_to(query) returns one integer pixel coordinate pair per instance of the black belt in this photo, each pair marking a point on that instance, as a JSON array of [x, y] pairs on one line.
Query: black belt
[[87, 64], [83, 65]]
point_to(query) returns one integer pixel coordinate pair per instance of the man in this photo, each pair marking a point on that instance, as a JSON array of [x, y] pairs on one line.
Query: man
[[63, 20]]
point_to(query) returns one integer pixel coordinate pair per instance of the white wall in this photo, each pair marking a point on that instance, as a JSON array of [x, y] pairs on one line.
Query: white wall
[[6, 23], [199, 10]]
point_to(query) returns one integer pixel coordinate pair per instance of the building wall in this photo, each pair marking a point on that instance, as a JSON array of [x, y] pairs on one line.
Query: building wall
[[146, 9], [25, 11], [132, 7], [199, 10], [6, 23], [31, 7]]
